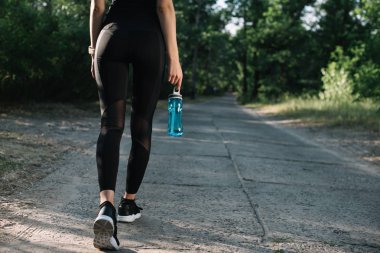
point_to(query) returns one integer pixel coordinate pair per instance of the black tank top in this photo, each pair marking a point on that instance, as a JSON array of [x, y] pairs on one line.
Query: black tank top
[[133, 11]]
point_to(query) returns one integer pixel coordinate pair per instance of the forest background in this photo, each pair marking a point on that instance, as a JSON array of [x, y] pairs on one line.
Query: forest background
[[325, 50]]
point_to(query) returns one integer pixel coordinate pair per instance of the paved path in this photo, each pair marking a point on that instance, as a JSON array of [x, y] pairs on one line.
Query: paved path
[[232, 183]]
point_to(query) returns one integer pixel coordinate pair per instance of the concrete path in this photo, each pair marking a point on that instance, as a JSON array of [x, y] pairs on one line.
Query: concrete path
[[232, 183]]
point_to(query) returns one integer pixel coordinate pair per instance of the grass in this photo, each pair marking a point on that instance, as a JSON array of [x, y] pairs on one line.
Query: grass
[[361, 114]]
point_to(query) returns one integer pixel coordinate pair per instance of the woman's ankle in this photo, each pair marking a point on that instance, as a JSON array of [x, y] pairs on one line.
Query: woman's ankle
[[107, 195], [129, 196]]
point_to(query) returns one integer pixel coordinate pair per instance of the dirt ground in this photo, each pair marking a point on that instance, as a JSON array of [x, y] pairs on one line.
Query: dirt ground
[[32, 138]]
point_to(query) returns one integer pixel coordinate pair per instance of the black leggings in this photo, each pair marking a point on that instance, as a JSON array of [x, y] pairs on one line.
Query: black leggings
[[142, 45]]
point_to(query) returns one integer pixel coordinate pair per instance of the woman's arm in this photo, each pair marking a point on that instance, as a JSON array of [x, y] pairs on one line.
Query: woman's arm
[[97, 11], [166, 15]]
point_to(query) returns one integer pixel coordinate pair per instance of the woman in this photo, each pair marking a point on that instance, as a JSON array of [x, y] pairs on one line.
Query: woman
[[136, 32]]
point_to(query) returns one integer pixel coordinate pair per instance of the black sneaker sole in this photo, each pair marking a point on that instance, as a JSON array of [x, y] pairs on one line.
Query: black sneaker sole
[[103, 230]]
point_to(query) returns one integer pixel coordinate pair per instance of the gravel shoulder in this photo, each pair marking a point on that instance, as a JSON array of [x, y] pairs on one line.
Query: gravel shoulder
[[356, 144]]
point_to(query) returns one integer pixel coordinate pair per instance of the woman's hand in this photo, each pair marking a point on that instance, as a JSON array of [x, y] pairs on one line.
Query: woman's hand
[[175, 74]]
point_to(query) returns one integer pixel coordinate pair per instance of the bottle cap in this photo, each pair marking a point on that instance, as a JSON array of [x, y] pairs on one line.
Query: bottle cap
[[175, 94]]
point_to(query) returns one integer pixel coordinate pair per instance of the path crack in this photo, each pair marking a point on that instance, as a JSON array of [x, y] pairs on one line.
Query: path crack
[[253, 205]]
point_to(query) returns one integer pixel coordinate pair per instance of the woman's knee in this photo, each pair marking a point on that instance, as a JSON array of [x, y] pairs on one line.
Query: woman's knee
[[141, 131], [113, 117]]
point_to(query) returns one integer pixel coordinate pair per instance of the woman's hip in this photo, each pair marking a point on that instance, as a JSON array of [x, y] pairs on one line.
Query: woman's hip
[[118, 40]]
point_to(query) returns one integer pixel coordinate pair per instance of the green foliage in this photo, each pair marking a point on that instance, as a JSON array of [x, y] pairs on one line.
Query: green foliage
[[367, 80], [43, 51], [205, 50], [367, 72], [348, 78], [284, 56], [339, 27], [337, 85], [336, 79]]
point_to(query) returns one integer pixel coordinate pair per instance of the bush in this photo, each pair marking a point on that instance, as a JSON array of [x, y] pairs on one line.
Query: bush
[[336, 78], [367, 80], [43, 51], [337, 84]]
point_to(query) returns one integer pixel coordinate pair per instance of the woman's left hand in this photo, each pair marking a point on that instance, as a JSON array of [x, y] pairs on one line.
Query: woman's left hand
[[175, 74]]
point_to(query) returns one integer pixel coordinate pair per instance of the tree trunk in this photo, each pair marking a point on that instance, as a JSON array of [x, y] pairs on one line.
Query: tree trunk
[[256, 77], [256, 74], [193, 75], [245, 68], [207, 67], [49, 7], [245, 73]]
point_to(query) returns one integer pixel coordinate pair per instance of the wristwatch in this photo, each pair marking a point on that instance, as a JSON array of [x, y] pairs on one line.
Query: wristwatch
[[91, 50]]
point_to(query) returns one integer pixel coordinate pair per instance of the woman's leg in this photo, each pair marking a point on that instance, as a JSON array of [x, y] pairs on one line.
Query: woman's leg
[[111, 72], [108, 146], [148, 67]]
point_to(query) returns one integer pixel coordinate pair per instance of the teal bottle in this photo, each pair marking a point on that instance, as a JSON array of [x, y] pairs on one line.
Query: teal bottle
[[175, 114]]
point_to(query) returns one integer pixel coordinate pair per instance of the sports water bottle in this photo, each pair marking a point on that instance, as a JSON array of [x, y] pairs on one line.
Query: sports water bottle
[[175, 114]]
